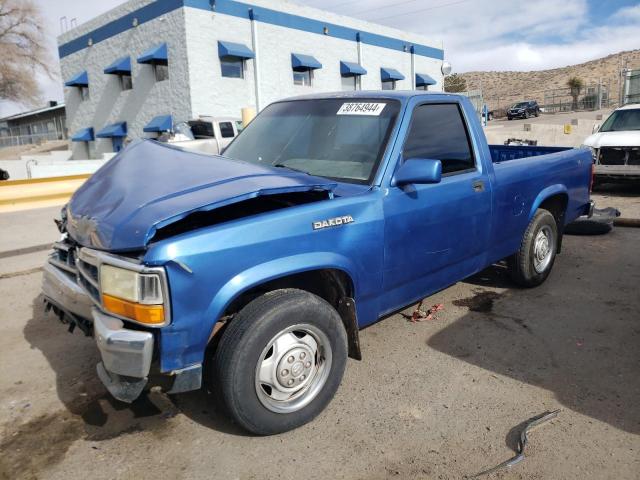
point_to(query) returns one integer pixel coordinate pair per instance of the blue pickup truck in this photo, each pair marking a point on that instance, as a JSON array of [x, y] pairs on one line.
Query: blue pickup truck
[[252, 272]]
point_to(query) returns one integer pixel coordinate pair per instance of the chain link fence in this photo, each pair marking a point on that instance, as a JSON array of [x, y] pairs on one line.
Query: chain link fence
[[591, 97], [632, 87]]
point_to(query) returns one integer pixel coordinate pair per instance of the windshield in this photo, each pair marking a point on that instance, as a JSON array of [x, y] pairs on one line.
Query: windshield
[[183, 128], [337, 138], [622, 120], [520, 105]]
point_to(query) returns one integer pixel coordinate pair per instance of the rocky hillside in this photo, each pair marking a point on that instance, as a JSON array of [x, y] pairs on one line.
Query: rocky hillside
[[546, 86]]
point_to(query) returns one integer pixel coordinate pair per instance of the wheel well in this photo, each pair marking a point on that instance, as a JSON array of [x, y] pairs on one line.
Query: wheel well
[[330, 284], [557, 205]]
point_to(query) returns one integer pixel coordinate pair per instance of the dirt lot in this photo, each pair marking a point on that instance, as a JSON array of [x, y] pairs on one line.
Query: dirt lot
[[441, 399]]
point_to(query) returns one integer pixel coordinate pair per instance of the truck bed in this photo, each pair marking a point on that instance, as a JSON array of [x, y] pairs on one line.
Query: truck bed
[[502, 153]]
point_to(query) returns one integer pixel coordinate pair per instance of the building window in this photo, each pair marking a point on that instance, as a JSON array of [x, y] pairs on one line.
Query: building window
[[226, 130], [161, 71], [126, 82], [84, 93], [351, 83], [389, 85], [422, 87], [303, 77], [232, 67]]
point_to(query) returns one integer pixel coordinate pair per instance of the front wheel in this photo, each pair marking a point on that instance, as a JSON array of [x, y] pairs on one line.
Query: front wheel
[[280, 361], [532, 264]]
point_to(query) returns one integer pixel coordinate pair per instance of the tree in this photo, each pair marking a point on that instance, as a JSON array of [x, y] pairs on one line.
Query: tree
[[576, 85], [24, 55], [455, 83]]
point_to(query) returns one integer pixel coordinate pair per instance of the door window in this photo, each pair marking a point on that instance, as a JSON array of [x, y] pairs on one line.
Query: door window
[[439, 132], [226, 129]]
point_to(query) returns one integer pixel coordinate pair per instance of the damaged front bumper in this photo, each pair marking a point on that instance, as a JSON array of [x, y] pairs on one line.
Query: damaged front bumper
[[126, 354]]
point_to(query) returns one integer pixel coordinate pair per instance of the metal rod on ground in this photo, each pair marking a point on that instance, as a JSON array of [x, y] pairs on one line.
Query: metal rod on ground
[[535, 422]]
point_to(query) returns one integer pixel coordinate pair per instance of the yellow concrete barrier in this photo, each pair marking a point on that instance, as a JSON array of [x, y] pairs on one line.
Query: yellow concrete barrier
[[18, 195]]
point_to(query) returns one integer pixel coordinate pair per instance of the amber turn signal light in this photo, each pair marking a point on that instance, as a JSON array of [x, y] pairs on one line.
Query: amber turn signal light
[[150, 314]]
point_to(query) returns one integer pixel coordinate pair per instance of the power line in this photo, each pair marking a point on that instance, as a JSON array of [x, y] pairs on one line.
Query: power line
[[383, 7], [341, 4], [420, 10]]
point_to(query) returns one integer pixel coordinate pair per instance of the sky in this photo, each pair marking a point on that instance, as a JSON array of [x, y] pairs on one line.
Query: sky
[[476, 34]]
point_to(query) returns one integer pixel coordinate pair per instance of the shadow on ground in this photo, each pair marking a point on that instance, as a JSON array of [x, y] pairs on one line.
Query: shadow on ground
[[90, 413], [577, 335]]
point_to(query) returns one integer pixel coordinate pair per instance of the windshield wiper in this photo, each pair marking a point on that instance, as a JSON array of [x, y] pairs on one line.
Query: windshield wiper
[[282, 165]]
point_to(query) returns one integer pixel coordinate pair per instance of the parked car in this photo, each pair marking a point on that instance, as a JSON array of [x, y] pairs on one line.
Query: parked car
[[209, 135], [327, 214], [616, 145], [523, 110]]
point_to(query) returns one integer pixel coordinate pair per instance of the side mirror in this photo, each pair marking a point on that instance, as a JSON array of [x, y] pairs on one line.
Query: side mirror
[[418, 170], [595, 128]]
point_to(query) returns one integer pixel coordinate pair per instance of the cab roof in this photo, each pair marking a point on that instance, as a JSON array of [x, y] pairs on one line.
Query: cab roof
[[401, 95]]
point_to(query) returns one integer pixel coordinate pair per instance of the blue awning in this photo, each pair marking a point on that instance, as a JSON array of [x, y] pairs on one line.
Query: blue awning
[[303, 62], [120, 66], [238, 50], [80, 80], [388, 74], [349, 69], [157, 54], [423, 79], [83, 135], [161, 123], [114, 130]]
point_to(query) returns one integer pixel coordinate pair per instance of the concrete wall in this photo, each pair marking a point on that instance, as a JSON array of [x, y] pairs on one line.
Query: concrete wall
[[108, 103]]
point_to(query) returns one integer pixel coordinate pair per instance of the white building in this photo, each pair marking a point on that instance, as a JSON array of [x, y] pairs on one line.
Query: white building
[[145, 65]]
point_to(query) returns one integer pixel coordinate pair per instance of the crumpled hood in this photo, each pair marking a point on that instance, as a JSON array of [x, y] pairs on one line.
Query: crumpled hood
[[150, 185], [629, 138]]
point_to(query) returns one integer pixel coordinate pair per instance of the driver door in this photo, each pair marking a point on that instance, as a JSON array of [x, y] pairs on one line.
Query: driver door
[[436, 234]]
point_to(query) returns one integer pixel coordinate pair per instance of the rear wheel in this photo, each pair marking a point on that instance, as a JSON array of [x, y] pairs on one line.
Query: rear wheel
[[532, 264], [280, 361]]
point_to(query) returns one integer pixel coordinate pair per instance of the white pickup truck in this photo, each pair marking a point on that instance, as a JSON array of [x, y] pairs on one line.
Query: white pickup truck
[[209, 135], [616, 145]]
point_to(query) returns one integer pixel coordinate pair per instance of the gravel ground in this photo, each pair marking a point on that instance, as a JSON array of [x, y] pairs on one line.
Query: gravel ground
[[439, 399], [623, 196]]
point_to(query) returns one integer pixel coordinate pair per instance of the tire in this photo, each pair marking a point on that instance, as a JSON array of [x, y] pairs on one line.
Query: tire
[[537, 114], [525, 267], [273, 334], [509, 118]]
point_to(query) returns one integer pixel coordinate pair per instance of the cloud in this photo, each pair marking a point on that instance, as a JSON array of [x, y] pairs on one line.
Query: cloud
[[507, 34]]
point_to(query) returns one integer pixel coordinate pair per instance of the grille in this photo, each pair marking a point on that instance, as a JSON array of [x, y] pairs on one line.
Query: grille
[[64, 257], [619, 156], [88, 275]]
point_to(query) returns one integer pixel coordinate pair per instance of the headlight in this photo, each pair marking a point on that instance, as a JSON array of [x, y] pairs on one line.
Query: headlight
[[594, 152], [131, 294]]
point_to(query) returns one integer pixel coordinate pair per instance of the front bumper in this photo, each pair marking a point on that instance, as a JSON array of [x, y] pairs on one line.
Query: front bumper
[[62, 290], [126, 356], [628, 172]]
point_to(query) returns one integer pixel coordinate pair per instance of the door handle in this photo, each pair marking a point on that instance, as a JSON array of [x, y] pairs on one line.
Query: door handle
[[478, 186]]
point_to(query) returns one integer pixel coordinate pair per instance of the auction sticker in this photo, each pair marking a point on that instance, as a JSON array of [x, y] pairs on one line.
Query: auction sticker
[[361, 108]]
